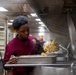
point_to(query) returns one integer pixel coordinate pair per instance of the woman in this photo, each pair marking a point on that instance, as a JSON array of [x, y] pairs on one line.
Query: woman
[[22, 44]]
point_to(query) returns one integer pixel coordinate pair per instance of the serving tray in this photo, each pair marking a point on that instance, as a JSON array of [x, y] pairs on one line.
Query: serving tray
[[36, 59]]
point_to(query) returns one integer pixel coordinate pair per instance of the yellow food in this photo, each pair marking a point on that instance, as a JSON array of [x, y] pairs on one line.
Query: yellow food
[[43, 54], [52, 47]]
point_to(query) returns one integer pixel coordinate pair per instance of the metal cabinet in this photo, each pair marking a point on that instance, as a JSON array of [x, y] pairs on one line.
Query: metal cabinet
[[61, 70], [52, 71]]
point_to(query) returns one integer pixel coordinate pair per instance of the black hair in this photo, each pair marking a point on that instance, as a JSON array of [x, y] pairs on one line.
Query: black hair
[[19, 21]]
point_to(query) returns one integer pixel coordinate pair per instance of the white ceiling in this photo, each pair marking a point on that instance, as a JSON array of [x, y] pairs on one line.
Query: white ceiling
[[18, 7]]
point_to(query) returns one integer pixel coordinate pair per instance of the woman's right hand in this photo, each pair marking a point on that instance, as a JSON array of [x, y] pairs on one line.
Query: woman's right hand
[[12, 60]]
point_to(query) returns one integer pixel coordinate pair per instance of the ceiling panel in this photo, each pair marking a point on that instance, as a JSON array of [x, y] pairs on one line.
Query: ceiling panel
[[15, 8]]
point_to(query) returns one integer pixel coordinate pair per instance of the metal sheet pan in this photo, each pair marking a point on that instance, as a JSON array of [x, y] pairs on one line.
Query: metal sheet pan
[[36, 59]]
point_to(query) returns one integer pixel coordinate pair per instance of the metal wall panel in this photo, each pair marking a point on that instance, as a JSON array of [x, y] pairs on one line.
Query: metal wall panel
[[72, 33]]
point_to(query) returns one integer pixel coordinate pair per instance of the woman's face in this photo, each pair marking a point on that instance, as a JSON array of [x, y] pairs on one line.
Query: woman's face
[[23, 31], [40, 38]]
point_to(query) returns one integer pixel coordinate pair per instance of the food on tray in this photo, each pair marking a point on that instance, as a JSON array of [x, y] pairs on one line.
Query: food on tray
[[43, 54], [51, 47]]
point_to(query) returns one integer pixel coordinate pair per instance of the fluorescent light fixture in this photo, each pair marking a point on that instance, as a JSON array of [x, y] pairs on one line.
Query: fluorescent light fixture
[[11, 20], [1, 26], [37, 19], [9, 23], [34, 14], [3, 9], [40, 27], [41, 30], [40, 33], [41, 23]]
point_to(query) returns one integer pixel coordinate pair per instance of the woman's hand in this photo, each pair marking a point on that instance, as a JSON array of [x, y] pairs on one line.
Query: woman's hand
[[12, 60]]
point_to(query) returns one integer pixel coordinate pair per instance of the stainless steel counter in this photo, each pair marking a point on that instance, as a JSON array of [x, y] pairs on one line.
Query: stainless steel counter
[[57, 64], [58, 68], [53, 65]]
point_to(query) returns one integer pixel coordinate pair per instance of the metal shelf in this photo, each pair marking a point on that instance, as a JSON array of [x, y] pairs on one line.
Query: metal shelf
[[12, 65]]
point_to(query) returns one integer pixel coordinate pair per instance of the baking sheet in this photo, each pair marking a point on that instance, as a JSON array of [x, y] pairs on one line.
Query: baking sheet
[[36, 59], [35, 56]]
